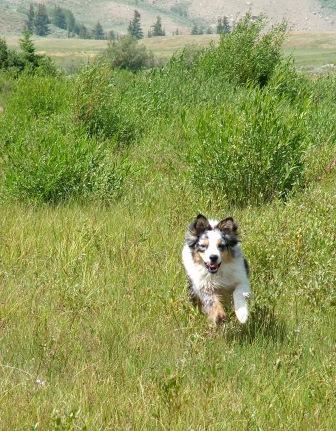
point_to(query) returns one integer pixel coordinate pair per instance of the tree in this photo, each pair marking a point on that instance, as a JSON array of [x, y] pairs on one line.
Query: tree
[[223, 25], [111, 35], [41, 22], [157, 29], [197, 29], [134, 27], [58, 17], [70, 21], [29, 55], [98, 32], [226, 25], [3, 54], [30, 18], [83, 32], [194, 29], [127, 54]]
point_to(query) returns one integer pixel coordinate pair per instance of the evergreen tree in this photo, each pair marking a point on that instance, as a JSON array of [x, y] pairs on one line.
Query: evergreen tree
[[134, 27], [3, 54], [194, 29], [223, 25], [111, 35], [226, 25], [28, 49], [58, 17], [209, 30], [219, 28], [83, 32], [157, 28], [98, 32], [70, 21], [30, 18], [41, 21], [77, 27]]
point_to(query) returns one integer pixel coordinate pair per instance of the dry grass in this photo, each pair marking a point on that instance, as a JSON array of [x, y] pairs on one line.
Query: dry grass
[[97, 332], [308, 49]]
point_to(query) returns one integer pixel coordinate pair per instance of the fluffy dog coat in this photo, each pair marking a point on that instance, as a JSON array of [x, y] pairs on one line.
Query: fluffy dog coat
[[215, 266]]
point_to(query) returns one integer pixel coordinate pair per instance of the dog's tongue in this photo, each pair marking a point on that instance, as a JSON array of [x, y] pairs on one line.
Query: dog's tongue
[[213, 266]]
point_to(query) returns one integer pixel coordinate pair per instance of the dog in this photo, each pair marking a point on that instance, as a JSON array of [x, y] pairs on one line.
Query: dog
[[215, 267]]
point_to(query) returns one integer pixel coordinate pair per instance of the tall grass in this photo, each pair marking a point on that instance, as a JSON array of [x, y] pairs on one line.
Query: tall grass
[[96, 329]]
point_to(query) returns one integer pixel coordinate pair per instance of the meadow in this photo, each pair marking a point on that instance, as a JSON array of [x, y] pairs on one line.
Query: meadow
[[310, 50], [100, 174]]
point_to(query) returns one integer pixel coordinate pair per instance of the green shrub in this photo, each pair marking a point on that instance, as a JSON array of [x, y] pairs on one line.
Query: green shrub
[[36, 96], [26, 60], [237, 119], [102, 106], [247, 54], [49, 158], [250, 151], [126, 53], [48, 164]]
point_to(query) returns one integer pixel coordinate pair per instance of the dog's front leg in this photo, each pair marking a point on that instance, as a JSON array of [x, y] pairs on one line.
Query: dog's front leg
[[240, 296], [213, 308]]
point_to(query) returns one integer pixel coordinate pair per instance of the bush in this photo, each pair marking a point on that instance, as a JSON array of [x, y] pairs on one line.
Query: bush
[[237, 120], [126, 53], [248, 54], [49, 158], [101, 104], [26, 60], [38, 96], [250, 151], [48, 165]]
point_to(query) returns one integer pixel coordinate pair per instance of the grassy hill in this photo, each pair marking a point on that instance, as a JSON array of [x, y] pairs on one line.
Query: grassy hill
[[331, 4], [302, 15]]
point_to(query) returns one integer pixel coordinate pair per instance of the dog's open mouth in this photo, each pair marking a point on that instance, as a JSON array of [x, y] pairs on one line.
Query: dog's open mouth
[[212, 267]]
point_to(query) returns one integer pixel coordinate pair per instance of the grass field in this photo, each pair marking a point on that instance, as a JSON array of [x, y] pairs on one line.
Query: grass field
[[310, 50], [97, 332], [100, 174]]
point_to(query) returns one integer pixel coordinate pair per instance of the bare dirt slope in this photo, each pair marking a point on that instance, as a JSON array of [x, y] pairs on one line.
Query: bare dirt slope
[[302, 15]]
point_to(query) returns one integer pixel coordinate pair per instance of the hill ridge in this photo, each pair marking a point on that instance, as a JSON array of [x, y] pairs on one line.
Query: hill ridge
[[302, 15]]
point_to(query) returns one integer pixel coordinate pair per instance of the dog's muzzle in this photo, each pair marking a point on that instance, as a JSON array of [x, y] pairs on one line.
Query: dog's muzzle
[[213, 267]]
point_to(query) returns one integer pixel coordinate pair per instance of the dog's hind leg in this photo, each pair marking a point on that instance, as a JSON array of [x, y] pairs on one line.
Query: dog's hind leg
[[211, 305]]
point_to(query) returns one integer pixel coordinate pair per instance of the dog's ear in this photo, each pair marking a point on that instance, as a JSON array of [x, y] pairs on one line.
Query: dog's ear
[[200, 224], [196, 228], [228, 226]]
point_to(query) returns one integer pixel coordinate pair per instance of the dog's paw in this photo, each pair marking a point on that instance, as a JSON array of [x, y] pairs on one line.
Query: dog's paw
[[221, 318], [242, 314], [217, 317]]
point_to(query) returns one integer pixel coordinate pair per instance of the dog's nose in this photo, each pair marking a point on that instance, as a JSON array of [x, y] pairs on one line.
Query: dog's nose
[[213, 258]]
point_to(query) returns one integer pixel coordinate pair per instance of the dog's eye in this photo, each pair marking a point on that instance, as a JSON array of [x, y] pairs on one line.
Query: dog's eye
[[221, 246], [201, 247]]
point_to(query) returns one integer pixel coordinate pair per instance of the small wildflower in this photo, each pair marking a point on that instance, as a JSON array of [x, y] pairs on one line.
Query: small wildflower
[[40, 382]]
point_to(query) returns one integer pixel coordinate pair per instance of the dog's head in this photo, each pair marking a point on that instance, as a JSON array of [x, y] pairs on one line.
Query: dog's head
[[212, 242]]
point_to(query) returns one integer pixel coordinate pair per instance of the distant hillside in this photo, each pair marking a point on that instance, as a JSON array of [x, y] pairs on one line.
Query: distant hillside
[[302, 15]]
